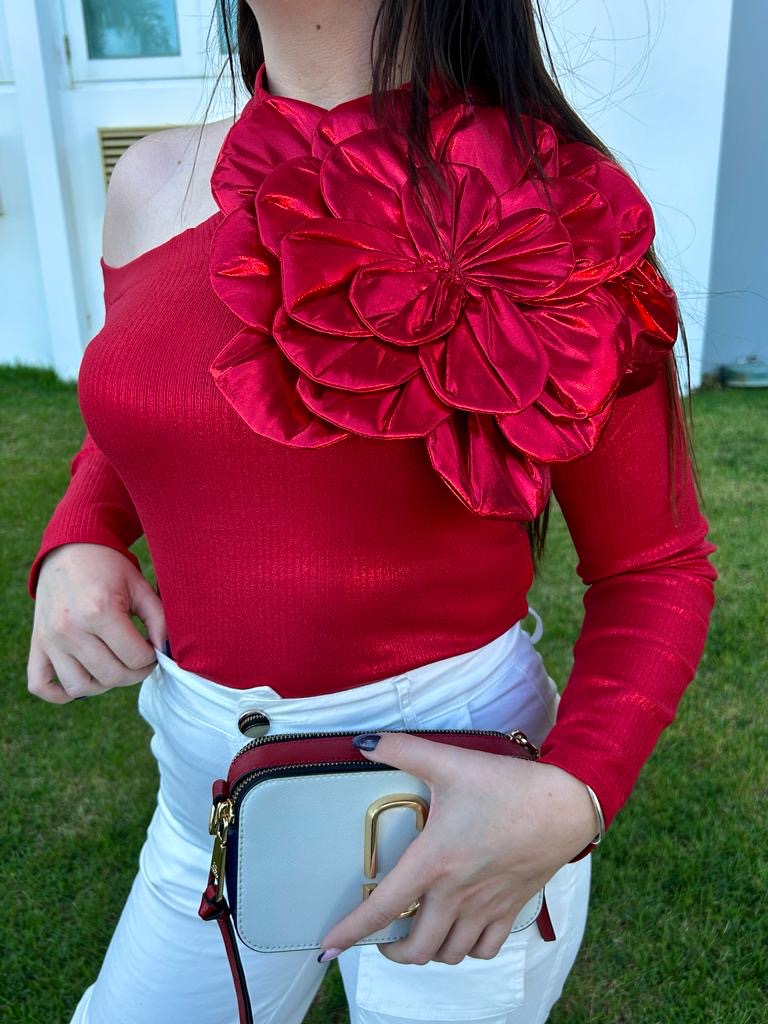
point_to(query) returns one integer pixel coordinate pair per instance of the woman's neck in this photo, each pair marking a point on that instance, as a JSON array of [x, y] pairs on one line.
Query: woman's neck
[[318, 51]]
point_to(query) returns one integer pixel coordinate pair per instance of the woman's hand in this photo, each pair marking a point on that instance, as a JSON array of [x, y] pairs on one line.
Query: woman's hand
[[498, 828], [83, 635]]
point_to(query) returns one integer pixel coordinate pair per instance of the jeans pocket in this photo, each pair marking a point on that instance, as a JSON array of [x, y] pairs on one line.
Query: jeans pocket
[[520, 697], [473, 989]]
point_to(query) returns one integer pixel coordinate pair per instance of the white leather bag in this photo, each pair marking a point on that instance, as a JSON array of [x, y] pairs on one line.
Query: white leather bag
[[304, 828]]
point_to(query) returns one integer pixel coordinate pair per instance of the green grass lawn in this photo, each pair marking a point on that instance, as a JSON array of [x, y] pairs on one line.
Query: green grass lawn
[[678, 930]]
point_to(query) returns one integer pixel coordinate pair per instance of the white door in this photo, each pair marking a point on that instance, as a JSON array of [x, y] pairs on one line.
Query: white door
[[133, 66]]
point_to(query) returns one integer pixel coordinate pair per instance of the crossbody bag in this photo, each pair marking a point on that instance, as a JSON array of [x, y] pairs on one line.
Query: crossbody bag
[[304, 827]]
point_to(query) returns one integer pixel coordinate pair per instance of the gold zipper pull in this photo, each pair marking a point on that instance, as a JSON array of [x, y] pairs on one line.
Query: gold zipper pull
[[519, 737]]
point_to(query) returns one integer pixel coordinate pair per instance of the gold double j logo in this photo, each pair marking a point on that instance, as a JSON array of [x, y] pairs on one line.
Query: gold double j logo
[[372, 816]]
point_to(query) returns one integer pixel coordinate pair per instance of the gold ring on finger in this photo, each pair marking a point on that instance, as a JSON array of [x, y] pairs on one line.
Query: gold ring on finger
[[411, 910]]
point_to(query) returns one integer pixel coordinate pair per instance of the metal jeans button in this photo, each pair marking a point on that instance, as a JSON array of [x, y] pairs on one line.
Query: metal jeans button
[[253, 724]]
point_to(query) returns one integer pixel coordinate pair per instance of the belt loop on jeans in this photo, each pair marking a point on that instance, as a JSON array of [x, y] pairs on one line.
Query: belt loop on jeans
[[539, 630], [407, 711]]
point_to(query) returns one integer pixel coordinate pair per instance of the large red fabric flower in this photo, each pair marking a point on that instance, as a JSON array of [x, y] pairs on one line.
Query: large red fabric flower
[[497, 319]]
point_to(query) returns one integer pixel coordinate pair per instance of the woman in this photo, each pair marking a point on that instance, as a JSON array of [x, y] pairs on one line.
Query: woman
[[336, 396]]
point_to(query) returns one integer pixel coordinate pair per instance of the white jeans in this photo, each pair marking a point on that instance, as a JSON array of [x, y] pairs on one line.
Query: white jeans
[[165, 964]]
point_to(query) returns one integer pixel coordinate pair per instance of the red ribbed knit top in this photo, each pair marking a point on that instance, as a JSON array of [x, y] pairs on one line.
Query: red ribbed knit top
[[331, 418]]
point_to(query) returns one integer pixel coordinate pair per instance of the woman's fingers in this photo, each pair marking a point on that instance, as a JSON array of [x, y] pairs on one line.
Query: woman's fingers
[[60, 680], [84, 640], [41, 676], [451, 932], [75, 678], [146, 603], [61, 674], [442, 933], [98, 662], [431, 926], [491, 939], [117, 655], [405, 883], [461, 940]]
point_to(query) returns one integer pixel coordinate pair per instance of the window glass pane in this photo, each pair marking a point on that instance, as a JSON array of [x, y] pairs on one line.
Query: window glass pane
[[131, 28]]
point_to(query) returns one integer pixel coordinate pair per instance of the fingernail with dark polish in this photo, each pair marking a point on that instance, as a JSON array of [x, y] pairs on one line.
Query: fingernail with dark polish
[[367, 741], [327, 954]]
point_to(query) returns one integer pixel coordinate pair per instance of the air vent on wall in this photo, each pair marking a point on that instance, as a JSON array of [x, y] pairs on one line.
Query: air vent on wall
[[113, 142]]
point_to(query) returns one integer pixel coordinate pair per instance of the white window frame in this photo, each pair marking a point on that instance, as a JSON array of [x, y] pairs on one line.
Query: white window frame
[[193, 18]]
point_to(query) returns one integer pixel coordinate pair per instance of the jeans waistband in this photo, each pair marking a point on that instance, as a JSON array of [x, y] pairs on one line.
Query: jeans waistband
[[426, 687]]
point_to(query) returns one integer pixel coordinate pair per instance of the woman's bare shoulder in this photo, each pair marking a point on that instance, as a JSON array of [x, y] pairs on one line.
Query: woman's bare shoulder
[[158, 187]]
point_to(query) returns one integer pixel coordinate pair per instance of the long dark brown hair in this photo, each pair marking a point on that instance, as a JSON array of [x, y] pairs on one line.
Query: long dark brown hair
[[492, 46]]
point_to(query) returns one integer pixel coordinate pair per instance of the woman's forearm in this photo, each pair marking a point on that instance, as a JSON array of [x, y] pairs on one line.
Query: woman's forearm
[[648, 603]]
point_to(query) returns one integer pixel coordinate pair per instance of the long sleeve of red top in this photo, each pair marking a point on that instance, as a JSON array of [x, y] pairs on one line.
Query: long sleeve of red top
[[650, 592], [95, 509]]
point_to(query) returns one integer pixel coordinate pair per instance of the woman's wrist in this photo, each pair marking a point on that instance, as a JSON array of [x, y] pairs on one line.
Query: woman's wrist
[[571, 808]]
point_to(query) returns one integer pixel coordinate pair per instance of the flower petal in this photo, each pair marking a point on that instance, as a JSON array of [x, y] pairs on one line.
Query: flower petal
[[492, 361], [588, 342], [650, 304], [407, 307], [483, 140], [318, 260], [362, 179], [547, 438], [651, 309], [264, 134], [491, 477], [356, 364], [530, 256], [590, 223], [356, 115], [261, 385], [243, 273], [631, 209], [287, 196], [462, 216], [410, 410], [336, 126]]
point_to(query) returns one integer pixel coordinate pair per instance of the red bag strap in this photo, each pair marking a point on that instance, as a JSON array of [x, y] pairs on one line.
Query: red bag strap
[[212, 908]]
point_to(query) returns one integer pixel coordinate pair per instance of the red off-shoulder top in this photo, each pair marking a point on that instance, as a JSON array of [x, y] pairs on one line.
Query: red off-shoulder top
[[332, 406]]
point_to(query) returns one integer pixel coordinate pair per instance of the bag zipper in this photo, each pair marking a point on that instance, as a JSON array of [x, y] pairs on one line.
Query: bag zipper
[[249, 777], [516, 736]]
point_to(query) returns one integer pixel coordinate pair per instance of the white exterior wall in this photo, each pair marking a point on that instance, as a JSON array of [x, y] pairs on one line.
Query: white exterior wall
[[737, 319], [24, 334], [23, 320], [649, 78]]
